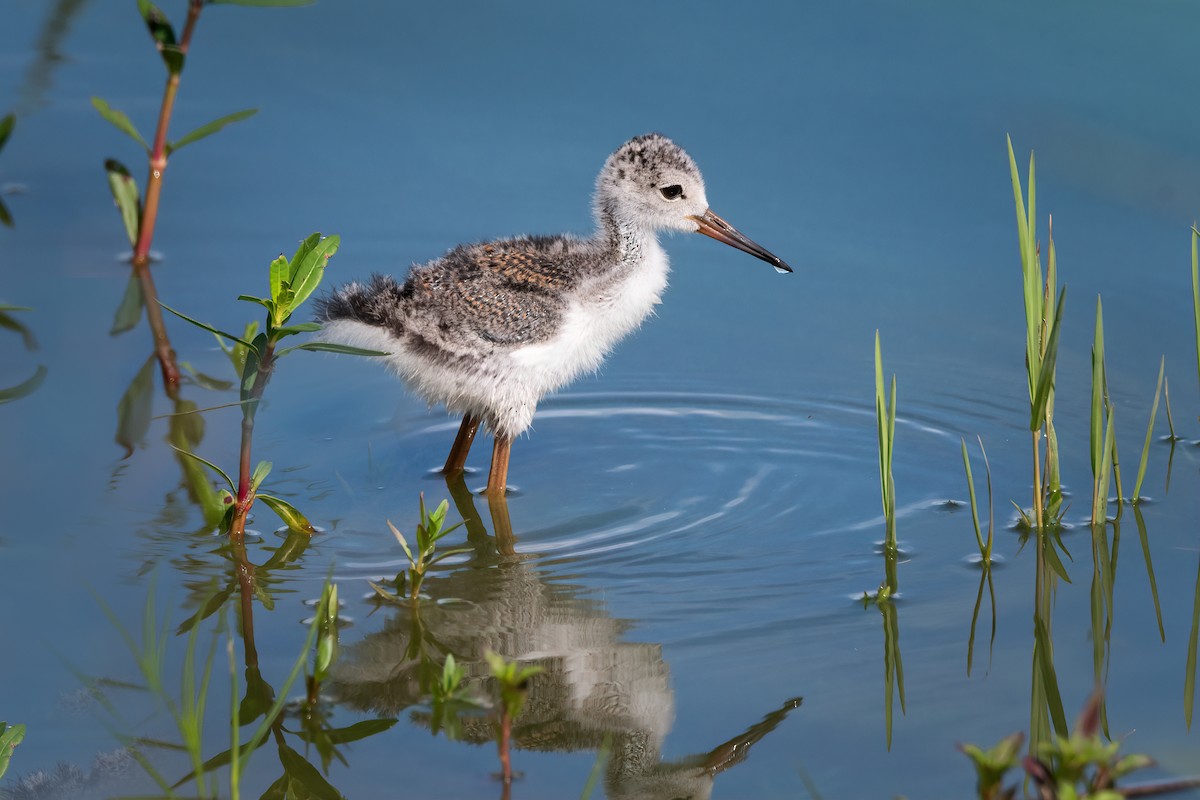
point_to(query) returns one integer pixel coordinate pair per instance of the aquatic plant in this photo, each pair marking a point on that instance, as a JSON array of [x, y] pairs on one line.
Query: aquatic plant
[[985, 548], [1103, 440], [327, 641], [1141, 473], [292, 281], [140, 217], [10, 737], [1042, 318], [1196, 292], [430, 530], [1078, 766], [513, 684], [885, 423]]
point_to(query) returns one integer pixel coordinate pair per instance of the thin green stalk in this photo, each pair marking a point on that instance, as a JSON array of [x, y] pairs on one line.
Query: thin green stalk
[[1141, 474], [235, 725], [1170, 417], [1196, 291], [885, 418], [985, 549]]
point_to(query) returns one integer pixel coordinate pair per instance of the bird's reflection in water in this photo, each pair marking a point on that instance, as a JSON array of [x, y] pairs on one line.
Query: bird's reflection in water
[[594, 686]]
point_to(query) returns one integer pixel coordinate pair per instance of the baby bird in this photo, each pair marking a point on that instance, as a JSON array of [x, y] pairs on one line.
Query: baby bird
[[488, 329]]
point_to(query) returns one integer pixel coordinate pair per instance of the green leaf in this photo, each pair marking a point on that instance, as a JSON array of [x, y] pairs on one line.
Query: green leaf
[[13, 735], [206, 381], [308, 776], [353, 733], [291, 330], [290, 515], [261, 470], [210, 465], [24, 388], [125, 192], [130, 310], [208, 328], [133, 410], [5, 217], [1141, 473], [121, 121], [163, 35], [279, 275], [330, 347], [211, 128], [1045, 380], [6, 127], [403, 542], [308, 266]]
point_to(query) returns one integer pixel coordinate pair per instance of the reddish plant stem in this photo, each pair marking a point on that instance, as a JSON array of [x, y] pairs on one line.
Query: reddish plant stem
[[505, 745], [141, 250], [245, 493]]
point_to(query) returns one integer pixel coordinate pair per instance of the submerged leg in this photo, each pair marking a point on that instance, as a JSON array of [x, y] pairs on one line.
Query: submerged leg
[[498, 477], [462, 445]]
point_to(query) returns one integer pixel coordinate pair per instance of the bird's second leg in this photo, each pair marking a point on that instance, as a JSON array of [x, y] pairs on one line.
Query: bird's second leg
[[462, 445], [498, 477]]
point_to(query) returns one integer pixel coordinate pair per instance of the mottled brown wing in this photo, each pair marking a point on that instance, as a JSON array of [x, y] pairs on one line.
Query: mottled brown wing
[[499, 294]]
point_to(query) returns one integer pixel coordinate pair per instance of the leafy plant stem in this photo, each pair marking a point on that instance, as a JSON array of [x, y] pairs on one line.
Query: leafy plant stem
[[245, 494], [141, 250]]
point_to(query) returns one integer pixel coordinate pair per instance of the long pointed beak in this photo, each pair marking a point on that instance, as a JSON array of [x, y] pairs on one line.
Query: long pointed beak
[[712, 225]]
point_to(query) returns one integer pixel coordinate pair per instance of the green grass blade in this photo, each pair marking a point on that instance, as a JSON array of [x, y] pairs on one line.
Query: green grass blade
[[1044, 657], [974, 519], [1045, 381], [1141, 473], [1196, 292], [1103, 480], [1189, 681], [1145, 541], [1097, 417], [1170, 416]]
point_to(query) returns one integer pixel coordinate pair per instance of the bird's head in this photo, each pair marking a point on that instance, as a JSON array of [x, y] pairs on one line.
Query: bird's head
[[652, 184]]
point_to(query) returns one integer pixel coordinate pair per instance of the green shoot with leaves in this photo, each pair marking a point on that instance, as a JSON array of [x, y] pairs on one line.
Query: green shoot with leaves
[[1042, 318], [254, 354], [513, 683], [423, 555]]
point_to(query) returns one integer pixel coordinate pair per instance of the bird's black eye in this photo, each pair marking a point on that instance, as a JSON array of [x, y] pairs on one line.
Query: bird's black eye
[[672, 192]]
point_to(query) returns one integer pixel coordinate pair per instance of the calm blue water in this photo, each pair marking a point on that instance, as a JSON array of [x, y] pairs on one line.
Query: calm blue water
[[692, 523]]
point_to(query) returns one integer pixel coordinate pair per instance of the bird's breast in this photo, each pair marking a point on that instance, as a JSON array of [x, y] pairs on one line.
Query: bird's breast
[[597, 319]]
